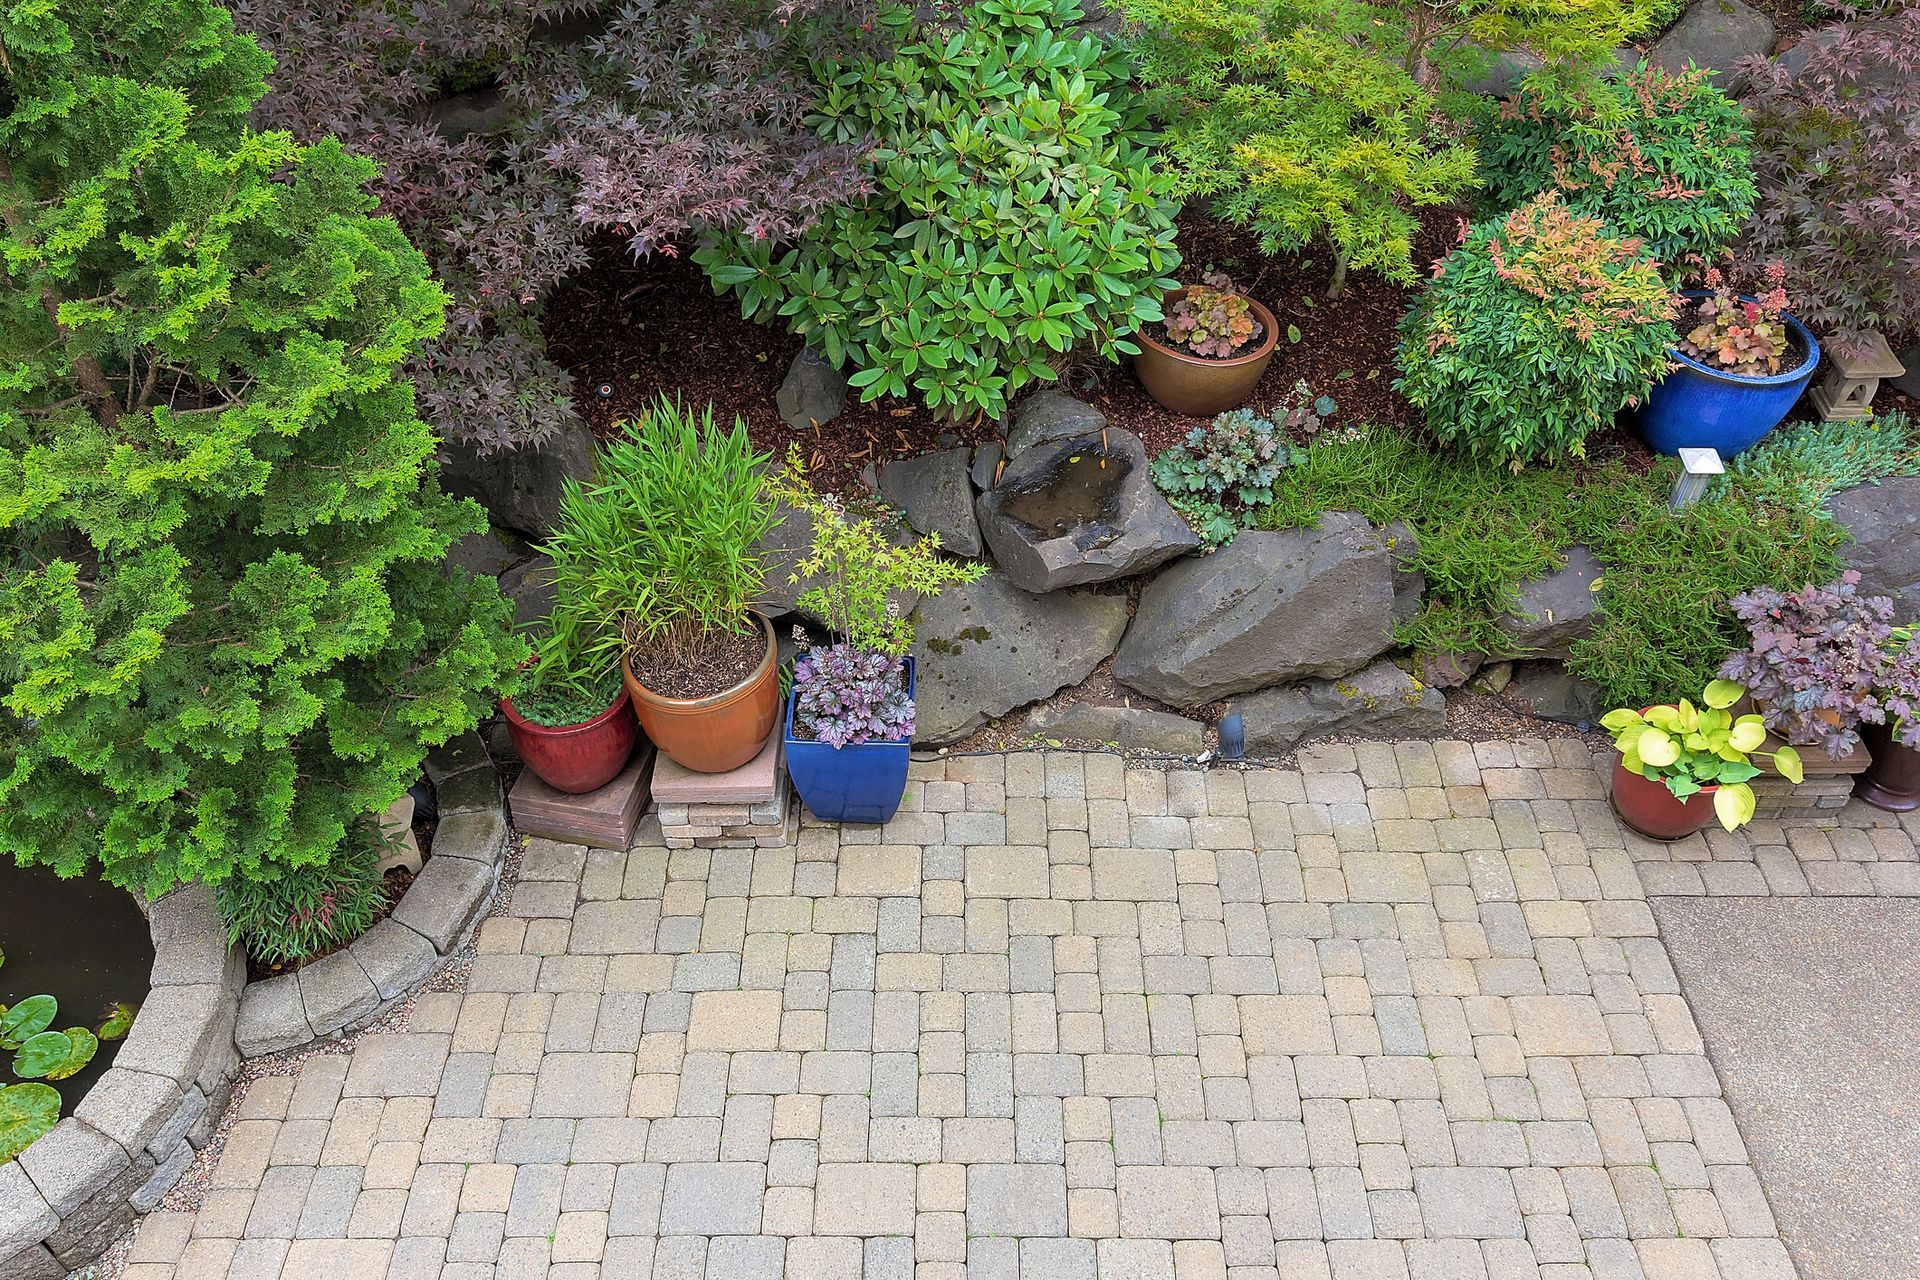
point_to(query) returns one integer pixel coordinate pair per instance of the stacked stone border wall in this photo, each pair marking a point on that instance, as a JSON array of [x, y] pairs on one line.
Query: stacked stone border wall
[[79, 1188]]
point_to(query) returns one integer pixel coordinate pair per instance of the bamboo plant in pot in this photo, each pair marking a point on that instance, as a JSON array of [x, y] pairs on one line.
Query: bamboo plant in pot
[[1682, 766], [849, 719], [659, 555], [1827, 666]]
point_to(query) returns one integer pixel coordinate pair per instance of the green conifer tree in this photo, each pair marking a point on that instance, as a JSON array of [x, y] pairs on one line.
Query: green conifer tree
[[226, 628]]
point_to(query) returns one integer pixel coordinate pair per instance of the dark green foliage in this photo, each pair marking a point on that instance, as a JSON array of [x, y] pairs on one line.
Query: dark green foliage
[[1660, 158], [1535, 332], [1664, 627], [226, 629], [1018, 215], [557, 700], [296, 913]]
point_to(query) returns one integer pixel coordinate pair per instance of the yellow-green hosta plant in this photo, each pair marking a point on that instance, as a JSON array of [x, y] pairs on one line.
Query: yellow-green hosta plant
[[1692, 748]]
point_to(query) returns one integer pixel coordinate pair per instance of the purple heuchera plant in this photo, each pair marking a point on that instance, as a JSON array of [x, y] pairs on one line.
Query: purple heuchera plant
[[848, 696], [1825, 660]]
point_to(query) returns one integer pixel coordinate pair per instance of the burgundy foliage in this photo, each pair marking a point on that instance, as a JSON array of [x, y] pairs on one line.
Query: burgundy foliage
[[511, 131], [1837, 159], [847, 696]]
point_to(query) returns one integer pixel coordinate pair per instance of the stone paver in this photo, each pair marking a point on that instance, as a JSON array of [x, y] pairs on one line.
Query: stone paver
[[1401, 1013]]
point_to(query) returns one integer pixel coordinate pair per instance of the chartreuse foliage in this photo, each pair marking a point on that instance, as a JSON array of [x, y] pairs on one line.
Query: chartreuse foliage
[[1337, 120], [1535, 331], [1018, 214], [226, 626], [1663, 626], [1660, 158], [1689, 747]]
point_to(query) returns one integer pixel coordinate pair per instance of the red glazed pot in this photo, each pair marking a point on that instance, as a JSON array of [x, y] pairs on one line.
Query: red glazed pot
[[1892, 781], [576, 758], [1648, 807]]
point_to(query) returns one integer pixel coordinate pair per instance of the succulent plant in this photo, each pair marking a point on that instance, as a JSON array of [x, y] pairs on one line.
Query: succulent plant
[[1211, 319]]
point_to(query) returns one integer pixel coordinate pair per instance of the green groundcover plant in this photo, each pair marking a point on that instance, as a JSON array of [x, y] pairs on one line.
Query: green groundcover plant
[[226, 626], [1534, 333], [1660, 158], [1664, 622], [1018, 215]]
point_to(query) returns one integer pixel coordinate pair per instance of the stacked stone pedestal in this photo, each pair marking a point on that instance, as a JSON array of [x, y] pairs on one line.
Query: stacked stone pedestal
[[1828, 784], [749, 807]]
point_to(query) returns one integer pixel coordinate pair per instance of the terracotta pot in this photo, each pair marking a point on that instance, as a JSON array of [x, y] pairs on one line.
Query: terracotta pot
[[1892, 781], [576, 758], [1195, 385], [719, 732], [1648, 807]]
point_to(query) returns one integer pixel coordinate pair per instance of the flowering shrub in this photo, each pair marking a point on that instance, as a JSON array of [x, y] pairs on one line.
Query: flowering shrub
[[1212, 319], [1658, 157], [1825, 660], [1018, 212], [845, 697], [1837, 157], [1535, 332], [1221, 478], [1746, 336]]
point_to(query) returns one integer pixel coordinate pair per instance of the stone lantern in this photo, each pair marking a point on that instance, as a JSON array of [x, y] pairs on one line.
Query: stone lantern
[[1848, 389]]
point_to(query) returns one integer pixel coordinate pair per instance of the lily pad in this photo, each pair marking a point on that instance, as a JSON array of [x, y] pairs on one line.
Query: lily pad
[[42, 1055], [82, 1044], [26, 1020], [27, 1111], [115, 1021]]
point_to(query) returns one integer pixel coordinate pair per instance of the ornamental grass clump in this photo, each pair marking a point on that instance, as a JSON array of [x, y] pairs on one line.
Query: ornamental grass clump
[[1660, 157], [1018, 215], [308, 911], [1692, 748], [1534, 333], [1824, 660]]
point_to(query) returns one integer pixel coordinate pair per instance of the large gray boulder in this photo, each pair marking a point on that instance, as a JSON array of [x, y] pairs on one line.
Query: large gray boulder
[[1269, 609], [813, 392], [1556, 608], [1883, 521], [521, 488], [1046, 416], [1908, 383], [983, 648], [1381, 701], [1079, 511], [1716, 35], [1409, 584], [935, 495], [529, 584]]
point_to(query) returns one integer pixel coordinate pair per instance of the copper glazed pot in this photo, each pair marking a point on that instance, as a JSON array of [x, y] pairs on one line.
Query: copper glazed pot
[[721, 731], [1196, 385]]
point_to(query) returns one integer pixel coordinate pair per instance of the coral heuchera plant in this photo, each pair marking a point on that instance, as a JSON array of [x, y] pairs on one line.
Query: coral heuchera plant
[[1212, 319], [1747, 336], [847, 696], [1825, 660]]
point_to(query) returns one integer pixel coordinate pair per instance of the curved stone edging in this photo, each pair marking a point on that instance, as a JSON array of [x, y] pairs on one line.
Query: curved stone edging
[[353, 987], [69, 1195], [73, 1192]]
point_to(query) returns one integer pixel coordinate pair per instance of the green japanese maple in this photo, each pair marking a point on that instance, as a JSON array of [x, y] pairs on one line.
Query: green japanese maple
[[226, 630]]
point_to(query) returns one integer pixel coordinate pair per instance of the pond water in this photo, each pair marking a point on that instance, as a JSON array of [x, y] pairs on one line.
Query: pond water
[[82, 942], [1073, 495]]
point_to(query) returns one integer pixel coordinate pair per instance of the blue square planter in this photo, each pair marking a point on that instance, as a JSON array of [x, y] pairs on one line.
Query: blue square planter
[[860, 783]]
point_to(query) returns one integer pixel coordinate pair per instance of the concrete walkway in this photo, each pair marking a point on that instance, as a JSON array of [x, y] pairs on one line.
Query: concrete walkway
[[1402, 1014]]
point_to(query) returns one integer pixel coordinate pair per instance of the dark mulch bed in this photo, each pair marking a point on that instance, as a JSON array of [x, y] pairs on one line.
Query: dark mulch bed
[[630, 331]]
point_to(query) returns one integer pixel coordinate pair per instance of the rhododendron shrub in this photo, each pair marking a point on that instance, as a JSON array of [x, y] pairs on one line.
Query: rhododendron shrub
[[1534, 333]]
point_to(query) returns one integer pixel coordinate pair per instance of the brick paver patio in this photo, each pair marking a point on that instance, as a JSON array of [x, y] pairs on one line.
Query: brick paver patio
[[1401, 1014]]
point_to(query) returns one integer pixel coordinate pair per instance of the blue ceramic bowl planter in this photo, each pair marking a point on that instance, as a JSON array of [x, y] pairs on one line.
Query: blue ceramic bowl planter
[[1700, 407], [859, 783]]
